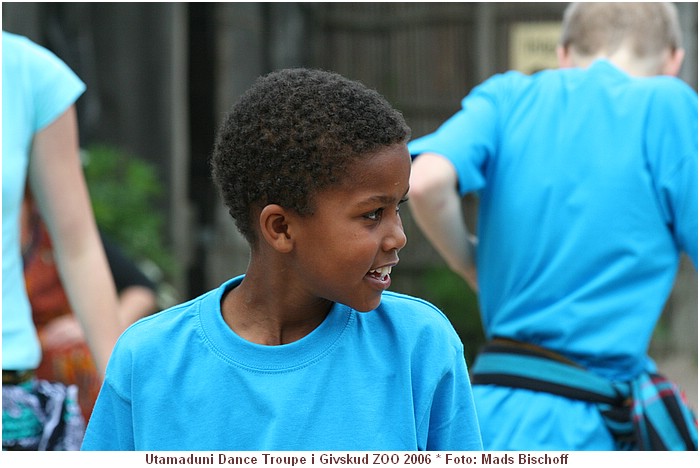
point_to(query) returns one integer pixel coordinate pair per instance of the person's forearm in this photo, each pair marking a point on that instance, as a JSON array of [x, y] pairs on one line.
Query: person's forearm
[[437, 210], [59, 188], [90, 290], [444, 227]]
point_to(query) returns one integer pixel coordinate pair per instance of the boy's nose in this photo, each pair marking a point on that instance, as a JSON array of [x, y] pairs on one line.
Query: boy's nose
[[396, 238]]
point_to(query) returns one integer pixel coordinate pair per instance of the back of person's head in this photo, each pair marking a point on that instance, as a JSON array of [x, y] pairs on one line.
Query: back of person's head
[[648, 31], [292, 134]]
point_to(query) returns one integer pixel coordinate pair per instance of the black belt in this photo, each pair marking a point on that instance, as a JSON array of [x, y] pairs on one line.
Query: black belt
[[13, 377]]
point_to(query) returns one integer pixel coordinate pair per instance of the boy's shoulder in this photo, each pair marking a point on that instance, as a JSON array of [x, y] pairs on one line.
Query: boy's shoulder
[[414, 308], [416, 323], [508, 87], [394, 297], [165, 324], [670, 88]]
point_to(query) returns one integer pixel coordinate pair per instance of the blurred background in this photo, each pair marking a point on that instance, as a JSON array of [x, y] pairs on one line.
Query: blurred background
[[161, 76]]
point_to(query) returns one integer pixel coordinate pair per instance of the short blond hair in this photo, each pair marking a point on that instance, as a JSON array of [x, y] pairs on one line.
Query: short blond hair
[[647, 29]]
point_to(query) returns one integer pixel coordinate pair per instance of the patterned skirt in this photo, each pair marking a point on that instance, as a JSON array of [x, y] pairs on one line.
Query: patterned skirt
[[41, 415]]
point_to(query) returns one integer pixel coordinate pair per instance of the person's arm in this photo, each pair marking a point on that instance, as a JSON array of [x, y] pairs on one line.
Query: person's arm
[[437, 209], [61, 194], [135, 302]]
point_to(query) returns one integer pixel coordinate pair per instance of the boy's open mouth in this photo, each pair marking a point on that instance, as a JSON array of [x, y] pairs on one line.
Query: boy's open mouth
[[380, 273]]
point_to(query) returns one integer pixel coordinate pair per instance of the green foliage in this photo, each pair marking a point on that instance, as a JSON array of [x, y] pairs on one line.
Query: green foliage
[[126, 198], [449, 292]]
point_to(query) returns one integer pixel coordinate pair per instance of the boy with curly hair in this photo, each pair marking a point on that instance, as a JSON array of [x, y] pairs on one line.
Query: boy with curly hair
[[307, 350]]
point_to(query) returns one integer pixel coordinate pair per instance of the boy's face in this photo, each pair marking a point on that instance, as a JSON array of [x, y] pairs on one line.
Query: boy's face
[[345, 250]]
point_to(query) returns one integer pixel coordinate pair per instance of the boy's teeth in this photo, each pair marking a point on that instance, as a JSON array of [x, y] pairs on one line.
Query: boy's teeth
[[381, 272]]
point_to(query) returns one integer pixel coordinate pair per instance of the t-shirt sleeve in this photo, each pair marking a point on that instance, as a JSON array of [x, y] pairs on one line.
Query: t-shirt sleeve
[[453, 421], [469, 138], [446, 414], [672, 150], [55, 87], [110, 425]]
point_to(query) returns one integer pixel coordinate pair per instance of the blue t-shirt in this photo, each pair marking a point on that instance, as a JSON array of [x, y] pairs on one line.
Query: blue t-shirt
[[37, 88], [587, 180], [394, 378], [588, 192]]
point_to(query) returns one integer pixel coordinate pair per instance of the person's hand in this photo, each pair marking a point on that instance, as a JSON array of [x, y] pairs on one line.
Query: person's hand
[[136, 302], [62, 332]]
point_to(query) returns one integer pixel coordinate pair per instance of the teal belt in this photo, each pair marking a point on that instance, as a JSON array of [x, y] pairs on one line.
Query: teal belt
[[648, 413]]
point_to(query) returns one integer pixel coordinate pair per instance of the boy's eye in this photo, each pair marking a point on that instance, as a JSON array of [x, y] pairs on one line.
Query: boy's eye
[[401, 202], [375, 215]]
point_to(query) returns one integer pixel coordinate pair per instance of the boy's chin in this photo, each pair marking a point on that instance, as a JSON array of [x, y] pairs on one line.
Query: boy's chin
[[366, 307]]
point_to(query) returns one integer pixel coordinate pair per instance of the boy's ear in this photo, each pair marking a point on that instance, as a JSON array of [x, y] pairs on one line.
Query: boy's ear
[[564, 57], [274, 228], [674, 62]]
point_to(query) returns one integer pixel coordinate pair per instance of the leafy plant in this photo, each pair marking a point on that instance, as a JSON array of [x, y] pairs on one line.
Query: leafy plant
[[126, 197]]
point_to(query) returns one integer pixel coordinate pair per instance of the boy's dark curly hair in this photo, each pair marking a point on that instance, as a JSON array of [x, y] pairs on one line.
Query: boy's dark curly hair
[[292, 134]]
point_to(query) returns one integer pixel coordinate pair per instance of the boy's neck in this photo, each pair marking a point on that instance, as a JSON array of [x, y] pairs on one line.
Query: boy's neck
[[626, 61], [265, 311]]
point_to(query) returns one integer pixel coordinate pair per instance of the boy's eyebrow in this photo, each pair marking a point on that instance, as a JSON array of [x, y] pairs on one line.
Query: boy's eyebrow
[[382, 199]]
